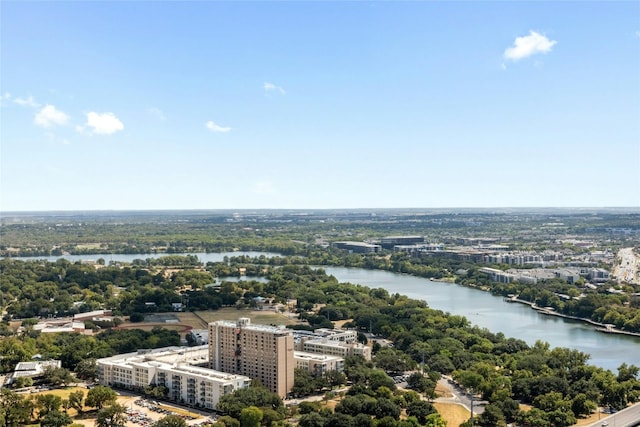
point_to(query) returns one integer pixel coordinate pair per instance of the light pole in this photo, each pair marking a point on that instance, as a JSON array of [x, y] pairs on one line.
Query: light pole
[[471, 392]]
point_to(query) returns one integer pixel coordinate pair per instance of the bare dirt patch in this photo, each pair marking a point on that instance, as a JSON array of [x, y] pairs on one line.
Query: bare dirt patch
[[443, 391]]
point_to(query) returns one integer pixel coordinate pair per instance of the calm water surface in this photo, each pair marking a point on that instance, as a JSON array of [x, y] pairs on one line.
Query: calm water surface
[[514, 320]]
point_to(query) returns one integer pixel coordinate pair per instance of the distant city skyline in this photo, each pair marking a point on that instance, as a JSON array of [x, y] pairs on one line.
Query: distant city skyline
[[318, 105]]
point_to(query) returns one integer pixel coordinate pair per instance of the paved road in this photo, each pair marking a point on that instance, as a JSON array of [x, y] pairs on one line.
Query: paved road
[[629, 417], [627, 270], [459, 397]]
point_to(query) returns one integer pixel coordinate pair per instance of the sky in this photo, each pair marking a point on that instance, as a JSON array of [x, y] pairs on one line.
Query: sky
[[115, 105]]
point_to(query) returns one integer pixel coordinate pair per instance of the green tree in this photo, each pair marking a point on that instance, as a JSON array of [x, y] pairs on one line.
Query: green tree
[[335, 378], [308, 407], [56, 419], [421, 410], [421, 384], [311, 419], [582, 406], [111, 416], [227, 421], [17, 410], [47, 403], [21, 382], [258, 396], [170, 421], [435, 420], [75, 400], [303, 382], [87, 369], [99, 396], [386, 408], [58, 376], [250, 417], [391, 360], [491, 417]]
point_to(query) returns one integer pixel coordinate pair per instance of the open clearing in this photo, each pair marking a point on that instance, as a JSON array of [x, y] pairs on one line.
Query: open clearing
[[257, 316], [453, 413]]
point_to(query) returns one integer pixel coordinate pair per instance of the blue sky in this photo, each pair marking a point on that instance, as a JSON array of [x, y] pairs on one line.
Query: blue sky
[[211, 105]]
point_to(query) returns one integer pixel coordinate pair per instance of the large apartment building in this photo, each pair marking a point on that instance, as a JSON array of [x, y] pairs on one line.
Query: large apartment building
[[173, 368], [264, 353]]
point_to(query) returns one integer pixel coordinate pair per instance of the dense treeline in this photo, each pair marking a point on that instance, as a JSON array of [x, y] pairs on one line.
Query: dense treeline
[[557, 382], [143, 282], [73, 348]]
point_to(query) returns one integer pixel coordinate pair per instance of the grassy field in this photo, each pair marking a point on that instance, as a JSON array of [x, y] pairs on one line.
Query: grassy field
[[192, 320], [64, 394], [453, 413], [199, 320], [256, 316]]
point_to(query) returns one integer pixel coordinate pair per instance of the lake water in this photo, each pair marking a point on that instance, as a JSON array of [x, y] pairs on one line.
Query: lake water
[[481, 308], [514, 320]]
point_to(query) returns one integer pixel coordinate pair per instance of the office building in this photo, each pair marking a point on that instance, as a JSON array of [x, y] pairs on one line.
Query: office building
[[357, 247]]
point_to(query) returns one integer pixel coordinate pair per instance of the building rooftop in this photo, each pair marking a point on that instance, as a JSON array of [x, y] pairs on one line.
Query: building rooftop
[[245, 324], [315, 356]]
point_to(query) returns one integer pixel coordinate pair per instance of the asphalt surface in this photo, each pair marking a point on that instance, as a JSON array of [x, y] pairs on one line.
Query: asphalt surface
[[629, 417], [627, 270], [460, 397]]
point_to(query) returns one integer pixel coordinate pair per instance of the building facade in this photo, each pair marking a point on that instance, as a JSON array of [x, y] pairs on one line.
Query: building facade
[[173, 368], [318, 364], [336, 348], [264, 353]]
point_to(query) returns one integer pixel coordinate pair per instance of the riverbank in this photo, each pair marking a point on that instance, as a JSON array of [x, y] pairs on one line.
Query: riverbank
[[600, 327]]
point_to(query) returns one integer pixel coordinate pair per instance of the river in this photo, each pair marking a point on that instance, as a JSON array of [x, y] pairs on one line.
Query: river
[[514, 320], [481, 308]]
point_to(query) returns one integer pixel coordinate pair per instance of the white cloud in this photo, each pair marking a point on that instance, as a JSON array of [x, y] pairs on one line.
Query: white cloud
[[524, 47], [270, 88], [26, 102], [6, 95], [102, 123], [213, 127], [157, 113], [49, 116]]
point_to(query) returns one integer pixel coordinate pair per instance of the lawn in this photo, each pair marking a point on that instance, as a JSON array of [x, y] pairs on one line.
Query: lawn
[[64, 394], [256, 316], [453, 413]]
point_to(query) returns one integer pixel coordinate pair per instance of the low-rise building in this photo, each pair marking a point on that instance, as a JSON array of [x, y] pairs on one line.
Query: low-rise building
[[318, 364], [390, 241], [174, 368], [357, 247], [336, 348], [33, 369], [91, 315], [54, 326]]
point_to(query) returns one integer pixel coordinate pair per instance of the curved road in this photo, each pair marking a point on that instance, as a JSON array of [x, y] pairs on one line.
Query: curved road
[[629, 417], [459, 397]]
